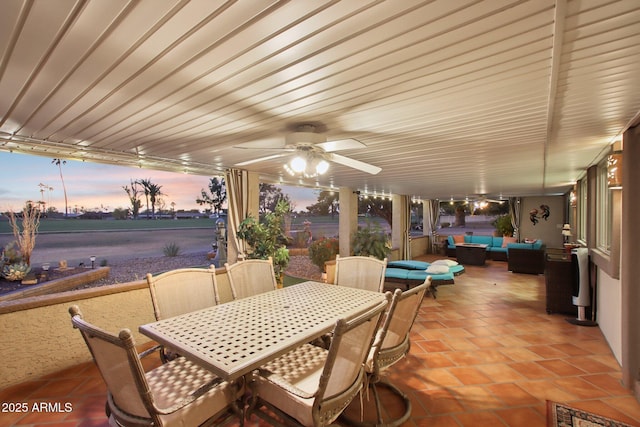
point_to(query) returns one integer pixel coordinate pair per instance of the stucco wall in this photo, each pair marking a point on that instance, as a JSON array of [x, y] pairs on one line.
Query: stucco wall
[[37, 337], [549, 230], [41, 340]]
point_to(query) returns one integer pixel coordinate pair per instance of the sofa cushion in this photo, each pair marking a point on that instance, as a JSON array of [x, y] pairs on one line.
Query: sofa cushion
[[520, 245], [496, 242], [507, 240], [482, 240]]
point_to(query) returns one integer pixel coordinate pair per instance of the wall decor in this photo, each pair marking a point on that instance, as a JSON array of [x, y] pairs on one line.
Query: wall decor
[[536, 214]]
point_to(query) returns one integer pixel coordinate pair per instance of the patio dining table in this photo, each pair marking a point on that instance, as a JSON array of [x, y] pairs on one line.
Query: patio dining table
[[234, 338]]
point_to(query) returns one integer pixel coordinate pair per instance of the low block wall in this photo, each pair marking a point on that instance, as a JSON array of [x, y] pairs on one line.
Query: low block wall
[[37, 337]]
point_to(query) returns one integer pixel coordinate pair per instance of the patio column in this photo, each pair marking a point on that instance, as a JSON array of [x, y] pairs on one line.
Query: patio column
[[629, 270], [348, 219]]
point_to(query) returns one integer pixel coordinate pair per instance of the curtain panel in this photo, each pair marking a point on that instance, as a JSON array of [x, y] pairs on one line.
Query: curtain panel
[[237, 194], [515, 212]]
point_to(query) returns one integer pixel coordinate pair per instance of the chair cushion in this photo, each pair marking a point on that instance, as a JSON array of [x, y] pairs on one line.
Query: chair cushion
[[408, 264], [175, 380], [396, 273], [420, 276], [300, 370]]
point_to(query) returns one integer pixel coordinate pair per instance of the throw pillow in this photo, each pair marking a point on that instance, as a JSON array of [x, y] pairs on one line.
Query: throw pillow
[[507, 240], [437, 269], [458, 239], [447, 262]]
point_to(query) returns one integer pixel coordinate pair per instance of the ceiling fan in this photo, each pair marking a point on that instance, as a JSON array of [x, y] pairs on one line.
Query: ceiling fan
[[312, 152], [482, 198]]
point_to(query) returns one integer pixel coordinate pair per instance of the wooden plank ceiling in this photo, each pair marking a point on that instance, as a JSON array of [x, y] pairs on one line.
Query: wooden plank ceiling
[[451, 98]]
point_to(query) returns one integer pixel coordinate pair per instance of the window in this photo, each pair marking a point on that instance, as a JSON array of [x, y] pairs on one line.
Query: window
[[582, 209], [603, 209]]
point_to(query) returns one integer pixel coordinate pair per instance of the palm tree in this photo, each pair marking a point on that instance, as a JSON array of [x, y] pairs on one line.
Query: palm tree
[[154, 194], [146, 185], [59, 163]]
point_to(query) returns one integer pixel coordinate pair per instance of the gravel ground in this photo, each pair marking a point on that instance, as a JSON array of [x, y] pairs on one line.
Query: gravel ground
[[137, 268]]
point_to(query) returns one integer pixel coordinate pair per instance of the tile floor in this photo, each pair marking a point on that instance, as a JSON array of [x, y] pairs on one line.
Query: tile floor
[[484, 353]]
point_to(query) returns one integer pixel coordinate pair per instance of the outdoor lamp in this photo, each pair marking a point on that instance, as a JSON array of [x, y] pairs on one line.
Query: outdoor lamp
[[93, 261], [614, 170], [566, 232]]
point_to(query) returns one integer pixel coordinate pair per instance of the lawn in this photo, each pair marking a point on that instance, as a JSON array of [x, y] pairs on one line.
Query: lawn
[[78, 225]]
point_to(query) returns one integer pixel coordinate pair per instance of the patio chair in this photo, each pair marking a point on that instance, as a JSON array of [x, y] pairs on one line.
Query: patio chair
[[311, 386], [391, 345], [251, 277], [177, 393], [360, 272], [181, 291]]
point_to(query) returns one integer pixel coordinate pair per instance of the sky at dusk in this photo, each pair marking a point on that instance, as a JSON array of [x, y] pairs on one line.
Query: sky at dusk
[[96, 186]]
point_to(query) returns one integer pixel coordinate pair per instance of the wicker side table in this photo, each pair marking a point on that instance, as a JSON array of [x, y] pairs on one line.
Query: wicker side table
[[558, 283]]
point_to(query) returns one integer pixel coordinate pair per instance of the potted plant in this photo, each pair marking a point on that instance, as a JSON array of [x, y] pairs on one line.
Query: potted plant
[[370, 241], [267, 238], [503, 225]]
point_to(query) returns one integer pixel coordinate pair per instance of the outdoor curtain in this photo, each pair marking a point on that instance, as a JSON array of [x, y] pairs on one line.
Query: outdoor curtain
[[514, 211], [237, 194], [432, 214], [405, 224]]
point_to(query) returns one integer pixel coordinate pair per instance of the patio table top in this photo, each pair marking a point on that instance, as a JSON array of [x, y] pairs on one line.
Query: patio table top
[[234, 338]]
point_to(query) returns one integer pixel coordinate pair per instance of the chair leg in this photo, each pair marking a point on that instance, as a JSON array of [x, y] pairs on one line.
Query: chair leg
[[381, 421]]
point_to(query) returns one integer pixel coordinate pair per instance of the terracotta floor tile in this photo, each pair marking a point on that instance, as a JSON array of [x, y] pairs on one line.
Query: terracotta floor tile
[[547, 351], [434, 346], [485, 342], [522, 417], [571, 350], [483, 353], [547, 390], [439, 402], [581, 388], [478, 398], [436, 360], [560, 367], [590, 365], [475, 419], [469, 375], [512, 394], [610, 383], [501, 372], [532, 370]]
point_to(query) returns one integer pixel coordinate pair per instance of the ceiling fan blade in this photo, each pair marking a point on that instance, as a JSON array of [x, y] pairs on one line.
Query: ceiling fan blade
[[341, 144], [353, 163], [261, 159], [262, 144]]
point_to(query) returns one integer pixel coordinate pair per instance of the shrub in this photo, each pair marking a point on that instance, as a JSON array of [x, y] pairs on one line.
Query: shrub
[[171, 249], [371, 241], [323, 250], [503, 225], [14, 272]]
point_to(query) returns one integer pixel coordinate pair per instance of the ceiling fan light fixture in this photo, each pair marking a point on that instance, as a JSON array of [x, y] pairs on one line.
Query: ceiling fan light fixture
[[322, 167], [298, 164]]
